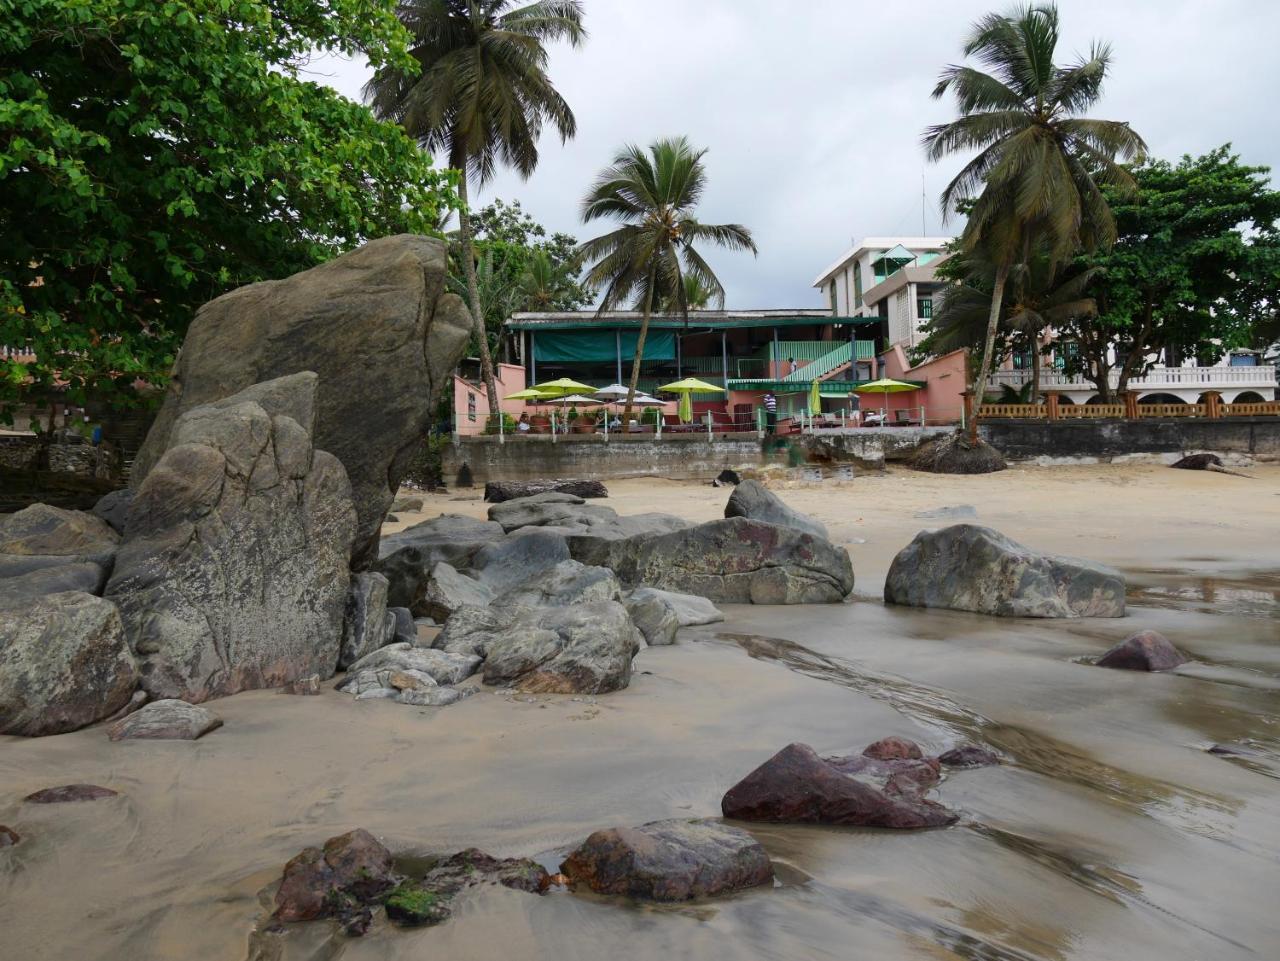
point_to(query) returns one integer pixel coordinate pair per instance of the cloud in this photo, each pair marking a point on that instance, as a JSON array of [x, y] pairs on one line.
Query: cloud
[[812, 111]]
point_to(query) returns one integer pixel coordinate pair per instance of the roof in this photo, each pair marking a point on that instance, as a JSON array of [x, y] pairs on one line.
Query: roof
[[713, 319], [899, 279], [881, 243]]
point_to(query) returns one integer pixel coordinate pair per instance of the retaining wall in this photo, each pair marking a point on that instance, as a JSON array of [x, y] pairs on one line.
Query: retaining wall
[[1257, 437]]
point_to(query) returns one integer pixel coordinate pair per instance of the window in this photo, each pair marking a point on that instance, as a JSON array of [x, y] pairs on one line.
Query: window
[[924, 307], [1244, 360], [471, 406], [833, 297], [1023, 360], [857, 284]]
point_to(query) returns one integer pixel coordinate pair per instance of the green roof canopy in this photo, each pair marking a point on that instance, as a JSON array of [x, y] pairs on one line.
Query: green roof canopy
[[698, 320]]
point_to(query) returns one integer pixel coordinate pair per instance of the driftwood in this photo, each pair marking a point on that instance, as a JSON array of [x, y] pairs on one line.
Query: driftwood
[[495, 492], [1206, 462]]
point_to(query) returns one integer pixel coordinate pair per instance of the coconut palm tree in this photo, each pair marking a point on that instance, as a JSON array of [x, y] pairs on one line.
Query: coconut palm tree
[[653, 192], [1040, 161], [696, 297], [481, 98]]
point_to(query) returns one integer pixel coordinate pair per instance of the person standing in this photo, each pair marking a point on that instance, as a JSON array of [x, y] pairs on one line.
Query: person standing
[[770, 413]]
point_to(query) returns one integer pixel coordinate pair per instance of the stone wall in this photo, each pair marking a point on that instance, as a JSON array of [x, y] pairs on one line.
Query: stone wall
[[1104, 440]]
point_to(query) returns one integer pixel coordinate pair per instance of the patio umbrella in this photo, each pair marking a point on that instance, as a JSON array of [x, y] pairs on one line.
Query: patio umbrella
[[685, 409], [644, 400], [529, 393], [884, 386], [815, 399], [565, 385], [693, 386], [614, 392]]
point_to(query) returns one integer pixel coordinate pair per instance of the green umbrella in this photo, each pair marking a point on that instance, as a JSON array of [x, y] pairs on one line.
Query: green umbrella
[[529, 393], [685, 410], [692, 385], [565, 385], [884, 385], [815, 399]]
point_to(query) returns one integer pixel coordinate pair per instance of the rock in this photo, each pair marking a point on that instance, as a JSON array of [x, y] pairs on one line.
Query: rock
[[495, 492], [601, 541], [303, 686], [955, 513], [969, 755], [1143, 651], [365, 625], [403, 630], [797, 786], [727, 478], [235, 569], [972, 568], [655, 618], [893, 749], [165, 720], [427, 901], [391, 519], [83, 577], [64, 663], [378, 328], [738, 560], [47, 530], [753, 500], [379, 694], [70, 792], [406, 505], [463, 477], [669, 861], [412, 906], [429, 697], [445, 590], [8, 836], [408, 556], [549, 510], [690, 609], [443, 667], [136, 700], [114, 508], [518, 557], [351, 870], [566, 583]]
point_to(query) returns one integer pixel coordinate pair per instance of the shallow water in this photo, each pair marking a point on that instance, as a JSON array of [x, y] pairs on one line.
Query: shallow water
[[1111, 832]]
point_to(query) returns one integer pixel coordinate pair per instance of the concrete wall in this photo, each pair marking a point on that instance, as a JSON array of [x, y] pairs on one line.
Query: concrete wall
[[1257, 437]]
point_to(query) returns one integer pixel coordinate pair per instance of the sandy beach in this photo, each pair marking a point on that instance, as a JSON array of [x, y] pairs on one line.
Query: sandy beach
[[1110, 832]]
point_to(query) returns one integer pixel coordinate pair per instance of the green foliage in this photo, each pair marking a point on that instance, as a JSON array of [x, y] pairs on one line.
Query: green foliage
[[156, 153], [508, 424], [426, 468]]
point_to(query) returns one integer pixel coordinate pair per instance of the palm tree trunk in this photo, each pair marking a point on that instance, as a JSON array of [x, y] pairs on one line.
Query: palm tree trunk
[[988, 347], [473, 292], [635, 364]]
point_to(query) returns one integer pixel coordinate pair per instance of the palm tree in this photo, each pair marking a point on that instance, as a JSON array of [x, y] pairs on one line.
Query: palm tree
[[653, 193], [696, 297], [1040, 162], [481, 98]]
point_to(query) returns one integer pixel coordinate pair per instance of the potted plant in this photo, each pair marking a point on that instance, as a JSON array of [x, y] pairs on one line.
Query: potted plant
[[580, 424], [539, 424]]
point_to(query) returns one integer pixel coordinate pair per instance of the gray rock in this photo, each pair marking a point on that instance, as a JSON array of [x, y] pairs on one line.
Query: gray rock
[[403, 629], [45, 530], [235, 569], [669, 861], [114, 508], [518, 557], [303, 686], [690, 609], [386, 678], [972, 568], [379, 694], [444, 667], [406, 505], [567, 583], [600, 543], [554, 509], [656, 619], [365, 626], [165, 720], [378, 327], [64, 663], [738, 560], [446, 590], [429, 697], [85, 577], [753, 500], [955, 513], [408, 556]]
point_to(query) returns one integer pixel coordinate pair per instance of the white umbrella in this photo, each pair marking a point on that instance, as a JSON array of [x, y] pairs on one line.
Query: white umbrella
[[613, 391], [574, 400], [644, 400]]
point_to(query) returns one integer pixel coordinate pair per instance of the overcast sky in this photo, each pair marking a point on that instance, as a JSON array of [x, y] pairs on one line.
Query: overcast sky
[[812, 110]]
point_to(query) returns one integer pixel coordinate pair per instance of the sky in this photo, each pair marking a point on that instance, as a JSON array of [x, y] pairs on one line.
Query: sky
[[811, 111]]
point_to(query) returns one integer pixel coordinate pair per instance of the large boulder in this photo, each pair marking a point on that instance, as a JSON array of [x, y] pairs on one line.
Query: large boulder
[[970, 568], [407, 557], [690, 610], [64, 663], [366, 624], [752, 499], [114, 508], [42, 529], [655, 619], [738, 560], [568, 582], [235, 568], [551, 508], [86, 577], [669, 861], [446, 590], [601, 541], [378, 327], [442, 667], [518, 557], [497, 491]]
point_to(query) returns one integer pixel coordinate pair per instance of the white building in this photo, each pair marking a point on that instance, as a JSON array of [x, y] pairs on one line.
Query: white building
[[888, 277]]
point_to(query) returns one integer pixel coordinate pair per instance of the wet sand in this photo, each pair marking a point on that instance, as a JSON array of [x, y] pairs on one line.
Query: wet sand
[[1112, 833]]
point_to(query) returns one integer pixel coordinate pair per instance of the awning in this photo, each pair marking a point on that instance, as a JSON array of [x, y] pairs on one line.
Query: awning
[[698, 320], [599, 346], [827, 388]]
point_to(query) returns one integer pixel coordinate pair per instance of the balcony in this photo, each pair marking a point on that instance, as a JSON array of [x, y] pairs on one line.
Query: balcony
[[1156, 380]]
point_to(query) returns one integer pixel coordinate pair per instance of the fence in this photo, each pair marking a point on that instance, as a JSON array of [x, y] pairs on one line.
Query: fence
[[1052, 409]]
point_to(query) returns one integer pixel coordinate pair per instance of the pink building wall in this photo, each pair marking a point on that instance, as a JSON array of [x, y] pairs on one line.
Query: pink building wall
[[942, 396]]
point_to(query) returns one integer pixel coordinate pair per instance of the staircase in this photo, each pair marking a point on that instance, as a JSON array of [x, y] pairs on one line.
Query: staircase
[[822, 368]]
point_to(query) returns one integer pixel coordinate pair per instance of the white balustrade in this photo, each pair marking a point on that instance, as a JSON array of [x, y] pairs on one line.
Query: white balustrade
[[1200, 378]]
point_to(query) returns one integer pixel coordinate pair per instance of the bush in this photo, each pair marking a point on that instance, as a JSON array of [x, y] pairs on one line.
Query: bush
[[426, 468], [508, 424]]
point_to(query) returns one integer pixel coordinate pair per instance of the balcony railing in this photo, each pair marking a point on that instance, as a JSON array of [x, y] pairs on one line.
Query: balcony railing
[[1157, 378]]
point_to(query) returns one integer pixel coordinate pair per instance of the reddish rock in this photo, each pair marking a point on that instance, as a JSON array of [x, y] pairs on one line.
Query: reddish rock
[[304, 686], [669, 861], [70, 792], [893, 749], [1144, 651], [473, 866], [8, 837], [352, 869], [969, 755], [796, 785]]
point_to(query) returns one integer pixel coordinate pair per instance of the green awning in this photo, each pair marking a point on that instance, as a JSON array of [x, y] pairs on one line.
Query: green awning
[[599, 346], [590, 322], [828, 388]]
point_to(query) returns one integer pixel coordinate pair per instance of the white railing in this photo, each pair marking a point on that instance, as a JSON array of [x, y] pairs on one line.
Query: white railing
[[1202, 378]]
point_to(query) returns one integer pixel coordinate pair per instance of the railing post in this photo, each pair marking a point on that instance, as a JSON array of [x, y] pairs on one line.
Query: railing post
[[554, 429], [1051, 406], [1131, 405], [501, 436], [1213, 403]]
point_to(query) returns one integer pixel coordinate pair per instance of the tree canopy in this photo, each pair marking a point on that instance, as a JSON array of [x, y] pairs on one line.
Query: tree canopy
[[156, 153]]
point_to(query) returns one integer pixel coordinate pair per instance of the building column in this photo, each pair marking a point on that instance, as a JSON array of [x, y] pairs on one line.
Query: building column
[[724, 356], [617, 346], [533, 357], [774, 355]]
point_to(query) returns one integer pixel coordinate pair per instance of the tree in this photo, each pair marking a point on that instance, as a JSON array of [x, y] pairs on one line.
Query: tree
[[155, 155], [696, 297], [1195, 269], [653, 193], [1041, 165], [481, 97]]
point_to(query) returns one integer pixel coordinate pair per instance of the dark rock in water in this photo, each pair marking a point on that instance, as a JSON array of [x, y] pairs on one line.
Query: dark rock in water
[[114, 508], [236, 562], [165, 720], [972, 568], [413, 906], [407, 556], [752, 499], [64, 663], [893, 749], [303, 686], [70, 792], [8, 836], [365, 623], [669, 861], [352, 870], [797, 786], [45, 530], [969, 755], [497, 491], [424, 902], [84, 577], [378, 328], [1143, 651], [404, 631], [727, 478]]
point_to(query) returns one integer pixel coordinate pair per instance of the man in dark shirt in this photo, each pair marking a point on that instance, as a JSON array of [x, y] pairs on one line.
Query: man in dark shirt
[[770, 413]]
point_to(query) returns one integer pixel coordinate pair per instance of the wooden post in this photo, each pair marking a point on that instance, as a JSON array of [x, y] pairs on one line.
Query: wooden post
[[1051, 406], [968, 406], [1131, 405], [1213, 404]]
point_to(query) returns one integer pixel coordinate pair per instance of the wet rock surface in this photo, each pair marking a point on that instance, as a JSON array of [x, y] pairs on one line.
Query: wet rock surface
[[8, 836], [1143, 651], [407, 557], [753, 500], [970, 568], [165, 720], [68, 793], [969, 755], [427, 901], [674, 860], [335, 881], [366, 626]]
